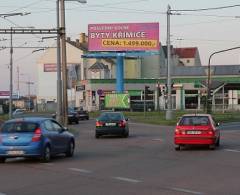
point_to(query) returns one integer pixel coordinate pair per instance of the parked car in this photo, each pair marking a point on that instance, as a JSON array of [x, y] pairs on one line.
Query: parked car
[[82, 114], [112, 123], [34, 137], [73, 116], [18, 112], [197, 129]]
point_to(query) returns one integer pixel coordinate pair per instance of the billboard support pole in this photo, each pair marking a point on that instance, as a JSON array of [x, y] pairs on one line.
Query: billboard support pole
[[120, 74]]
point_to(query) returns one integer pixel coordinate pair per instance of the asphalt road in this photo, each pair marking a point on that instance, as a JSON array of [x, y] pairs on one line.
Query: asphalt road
[[143, 164]]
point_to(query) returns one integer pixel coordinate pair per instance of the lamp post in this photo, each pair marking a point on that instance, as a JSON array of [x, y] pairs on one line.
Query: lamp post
[[62, 31], [209, 77]]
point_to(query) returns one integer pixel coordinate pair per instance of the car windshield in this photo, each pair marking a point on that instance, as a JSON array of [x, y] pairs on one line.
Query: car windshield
[[194, 120], [111, 116], [18, 127]]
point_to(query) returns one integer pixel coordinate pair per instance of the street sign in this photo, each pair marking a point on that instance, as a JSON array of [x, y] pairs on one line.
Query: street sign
[[117, 100], [100, 92]]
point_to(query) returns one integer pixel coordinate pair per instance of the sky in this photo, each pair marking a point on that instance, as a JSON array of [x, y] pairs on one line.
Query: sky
[[210, 30]]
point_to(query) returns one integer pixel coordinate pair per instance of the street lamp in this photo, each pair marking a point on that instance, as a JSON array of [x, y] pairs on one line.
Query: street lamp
[[62, 37], [209, 77]]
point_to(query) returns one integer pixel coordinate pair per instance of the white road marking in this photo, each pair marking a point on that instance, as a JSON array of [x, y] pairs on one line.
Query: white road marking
[[230, 150], [48, 164], [2, 193], [157, 139], [80, 170], [186, 191], [127, 179]]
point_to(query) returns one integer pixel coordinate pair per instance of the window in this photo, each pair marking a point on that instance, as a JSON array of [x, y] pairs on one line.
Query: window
[[19, 127], [194, 120], [48, 125], [56, 126]]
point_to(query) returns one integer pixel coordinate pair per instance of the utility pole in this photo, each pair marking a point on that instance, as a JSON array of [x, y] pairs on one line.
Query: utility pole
[[11, 76], [18, 86], [169, 114], [59, 116], [64, 62], [29, 93]]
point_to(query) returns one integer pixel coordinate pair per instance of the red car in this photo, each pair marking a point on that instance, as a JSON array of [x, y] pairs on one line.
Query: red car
[[197, 129]]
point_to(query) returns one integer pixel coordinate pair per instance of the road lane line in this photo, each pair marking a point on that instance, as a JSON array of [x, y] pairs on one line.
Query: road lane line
[[2, 193], [80, 170], [230, 150], [48, 164], [127, 179], [186, 191], [157, 139]]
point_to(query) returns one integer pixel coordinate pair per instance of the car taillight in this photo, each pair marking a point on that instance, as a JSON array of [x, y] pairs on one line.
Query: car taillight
[[122, 123], [99, 124], [210, 132], [37, 135], [179, 132]]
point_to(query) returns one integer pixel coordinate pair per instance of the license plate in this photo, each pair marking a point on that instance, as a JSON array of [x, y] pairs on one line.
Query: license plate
[[15, 152], [110, 124], [194, 132]]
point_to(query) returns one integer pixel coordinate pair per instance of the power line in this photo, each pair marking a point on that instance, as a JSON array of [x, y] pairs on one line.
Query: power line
[[205, 9]]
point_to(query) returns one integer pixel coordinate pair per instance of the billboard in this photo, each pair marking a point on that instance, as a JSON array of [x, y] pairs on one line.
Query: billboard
[[117, 100], [123, 37], [49, 68]]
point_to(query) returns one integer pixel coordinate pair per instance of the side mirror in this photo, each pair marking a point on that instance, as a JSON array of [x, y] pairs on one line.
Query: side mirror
[[63, 129]]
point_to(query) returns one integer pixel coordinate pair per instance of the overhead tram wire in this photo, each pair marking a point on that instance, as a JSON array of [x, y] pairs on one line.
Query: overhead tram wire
[[206, 9]]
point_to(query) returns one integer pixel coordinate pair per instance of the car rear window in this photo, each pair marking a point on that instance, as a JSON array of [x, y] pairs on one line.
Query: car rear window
[[19, 127], [110, 116], [194, 120]]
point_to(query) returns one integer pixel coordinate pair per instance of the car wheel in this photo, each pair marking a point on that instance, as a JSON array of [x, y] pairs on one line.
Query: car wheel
[[212, 146], [70, 150], [126, 134], [97, 136], [218, 142], [87, 118], [77, 122], [2, 160], [46, 155], [177, 147]]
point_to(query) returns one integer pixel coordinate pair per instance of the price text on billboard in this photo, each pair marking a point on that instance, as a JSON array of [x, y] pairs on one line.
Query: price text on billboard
[[123, 37]]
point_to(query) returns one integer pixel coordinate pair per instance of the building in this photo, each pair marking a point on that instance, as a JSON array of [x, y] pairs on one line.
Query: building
[[89, 79]]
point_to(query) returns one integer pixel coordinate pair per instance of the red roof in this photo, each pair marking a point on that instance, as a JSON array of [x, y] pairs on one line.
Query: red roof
[[188, 52]]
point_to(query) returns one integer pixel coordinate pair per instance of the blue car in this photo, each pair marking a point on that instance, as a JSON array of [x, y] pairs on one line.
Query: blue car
[[36, 137]]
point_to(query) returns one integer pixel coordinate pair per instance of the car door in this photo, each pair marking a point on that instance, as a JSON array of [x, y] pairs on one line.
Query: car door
[[62, 138], [216, 127], [52, 135]]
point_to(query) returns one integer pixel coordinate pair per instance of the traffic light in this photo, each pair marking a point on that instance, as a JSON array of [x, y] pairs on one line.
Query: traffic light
[[146, 90], [159, 91]]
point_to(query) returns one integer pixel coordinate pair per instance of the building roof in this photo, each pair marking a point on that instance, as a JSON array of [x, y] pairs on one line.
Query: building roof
[[77, 44], [202, 70], [99, 66], [188, 52]]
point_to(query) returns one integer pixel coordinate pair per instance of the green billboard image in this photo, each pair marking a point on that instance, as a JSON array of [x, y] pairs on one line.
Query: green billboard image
[[117, 100]]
